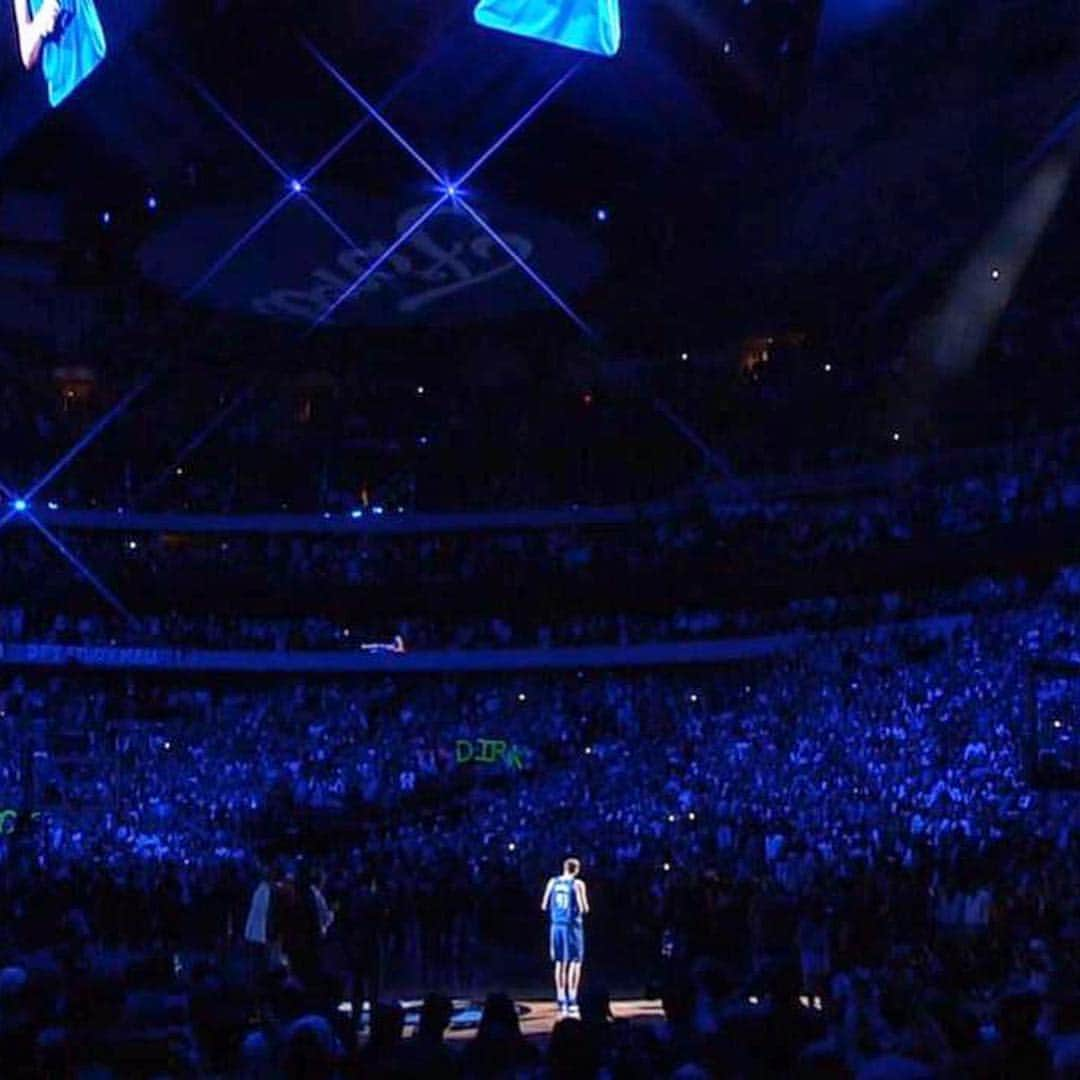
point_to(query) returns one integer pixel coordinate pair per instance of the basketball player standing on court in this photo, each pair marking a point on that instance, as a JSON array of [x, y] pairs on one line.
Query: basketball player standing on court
[[567, 904]]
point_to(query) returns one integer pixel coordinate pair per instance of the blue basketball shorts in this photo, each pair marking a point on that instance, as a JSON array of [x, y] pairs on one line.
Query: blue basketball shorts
[[567, 944]]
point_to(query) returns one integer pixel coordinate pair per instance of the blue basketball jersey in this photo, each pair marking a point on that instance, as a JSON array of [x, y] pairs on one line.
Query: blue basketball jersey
[[591, 25], [563, 902]]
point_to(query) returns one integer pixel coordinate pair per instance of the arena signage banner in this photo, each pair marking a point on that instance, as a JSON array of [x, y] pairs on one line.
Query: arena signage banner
[[449, 271]]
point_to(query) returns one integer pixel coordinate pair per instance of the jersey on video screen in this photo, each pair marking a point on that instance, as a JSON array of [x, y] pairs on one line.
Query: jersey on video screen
[[73, 52], [590, 25]]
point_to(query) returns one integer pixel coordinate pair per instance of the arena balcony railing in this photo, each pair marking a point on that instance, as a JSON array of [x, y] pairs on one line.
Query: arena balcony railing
[[737, 494]]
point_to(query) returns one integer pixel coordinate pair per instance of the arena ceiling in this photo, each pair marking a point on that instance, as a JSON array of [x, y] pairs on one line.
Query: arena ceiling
[[674, 187]]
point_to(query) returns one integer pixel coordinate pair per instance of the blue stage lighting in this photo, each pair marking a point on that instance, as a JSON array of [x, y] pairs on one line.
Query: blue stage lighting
[[293, 186], [449, 191], [376, 263], [601, 215], [519, 123], [80, 567], [529, 272], [151, 203], [106, 218], [377, 116], [20, 504]]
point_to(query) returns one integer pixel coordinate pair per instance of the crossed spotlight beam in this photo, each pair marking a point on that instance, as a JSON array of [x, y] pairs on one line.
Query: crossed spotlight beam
[[296, 187], [20, 505], [450, 191]]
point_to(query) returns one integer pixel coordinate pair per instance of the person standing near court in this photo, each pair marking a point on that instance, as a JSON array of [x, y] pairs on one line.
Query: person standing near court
[[566, 902]]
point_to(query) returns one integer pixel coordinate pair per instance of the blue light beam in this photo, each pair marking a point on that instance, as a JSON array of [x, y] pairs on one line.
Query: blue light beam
[[294, 187], [102, 423], [12, 499], [373, 266], [223, 260], [240, 130], [335, 150], [376, 115], [82, 568], [517, 125], [451, 190], [533, 276], [200, 437], [331, 223]]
